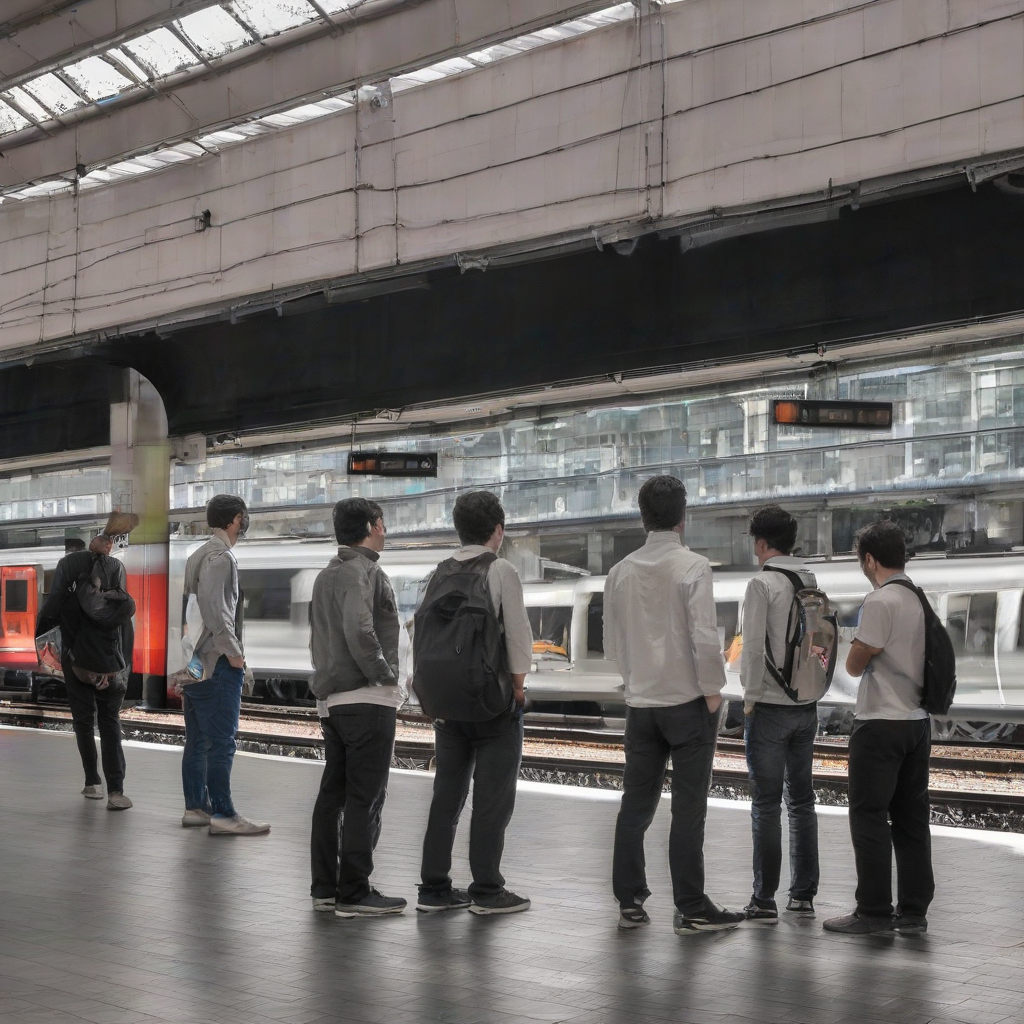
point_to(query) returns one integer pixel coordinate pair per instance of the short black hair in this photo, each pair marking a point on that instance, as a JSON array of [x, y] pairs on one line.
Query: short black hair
[[221, 510], [662, 502], [884, 541], [73, 544], [775, 526], [476, 516], [353, 518]]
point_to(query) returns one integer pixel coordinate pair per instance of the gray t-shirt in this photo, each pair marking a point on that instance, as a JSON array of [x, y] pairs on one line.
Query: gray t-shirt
[[893, 683]]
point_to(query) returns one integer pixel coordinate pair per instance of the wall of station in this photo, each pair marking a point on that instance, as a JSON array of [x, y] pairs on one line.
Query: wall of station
[[697, 106]]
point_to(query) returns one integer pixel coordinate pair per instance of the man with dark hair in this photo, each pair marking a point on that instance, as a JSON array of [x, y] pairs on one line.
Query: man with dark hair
[[660, 627], [353, 619], [889, 748], [779, 732], [487, 752], [93, 696], [212, 699]]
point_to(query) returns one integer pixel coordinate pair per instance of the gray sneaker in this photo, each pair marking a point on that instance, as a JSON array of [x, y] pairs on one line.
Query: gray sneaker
[[856, 924], [237, 826], [324, 904], [712, 918], [435, 902], [373, 904], [504, 902], [194, 817], [633, 917], [93, 792], [761, 912], [805, 907], [118, 802]]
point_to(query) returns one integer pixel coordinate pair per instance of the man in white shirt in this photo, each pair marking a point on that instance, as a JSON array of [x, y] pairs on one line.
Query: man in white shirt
[[779, 732], [487, 752], [889, 748], [661, 629]]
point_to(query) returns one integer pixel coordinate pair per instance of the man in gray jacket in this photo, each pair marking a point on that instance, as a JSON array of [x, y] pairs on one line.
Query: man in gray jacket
[[354, 647], [212, 702]]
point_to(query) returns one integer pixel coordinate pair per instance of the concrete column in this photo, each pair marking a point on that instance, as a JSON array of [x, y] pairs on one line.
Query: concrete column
[[140, 483]]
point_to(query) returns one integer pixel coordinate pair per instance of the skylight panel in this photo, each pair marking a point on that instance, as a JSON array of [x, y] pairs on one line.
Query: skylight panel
[[161, 52], [213, 31], [54, 94], [28, 104], [122, 58], [337, 6], [97, 79], [268, 17], [11, 120], [217, 139]]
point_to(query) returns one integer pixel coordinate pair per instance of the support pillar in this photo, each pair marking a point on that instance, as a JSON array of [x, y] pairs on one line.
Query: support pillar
[[140, 483]]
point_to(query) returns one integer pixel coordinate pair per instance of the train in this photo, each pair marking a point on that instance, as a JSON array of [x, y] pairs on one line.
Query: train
[[980, 599]]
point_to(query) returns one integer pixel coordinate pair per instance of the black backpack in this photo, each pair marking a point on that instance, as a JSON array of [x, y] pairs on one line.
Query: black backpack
[[458, 645], [939, 657], [104, 606]]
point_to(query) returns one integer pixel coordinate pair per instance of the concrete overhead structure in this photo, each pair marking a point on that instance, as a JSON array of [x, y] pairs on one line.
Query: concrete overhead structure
[[698, 118]]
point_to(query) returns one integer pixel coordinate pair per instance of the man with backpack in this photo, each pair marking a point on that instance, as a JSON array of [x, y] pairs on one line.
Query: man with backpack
[[890, 745], [89, 601], [660, 627], [473, 647], [779, 728], [212, 698], [353, 620]]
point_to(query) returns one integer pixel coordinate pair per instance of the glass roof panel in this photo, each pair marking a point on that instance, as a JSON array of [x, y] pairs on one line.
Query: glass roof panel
[[97, 79], [213, 31], [54, 94], [161, 52], [10, 119], [269, 17], [29, 105], [121, 57], [334, 6]]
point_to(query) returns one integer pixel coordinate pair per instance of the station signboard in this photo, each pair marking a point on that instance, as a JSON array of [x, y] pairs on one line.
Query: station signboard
[[799, 412], [392, 463]]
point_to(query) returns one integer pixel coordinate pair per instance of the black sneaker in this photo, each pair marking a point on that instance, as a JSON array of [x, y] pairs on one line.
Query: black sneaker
[[712, 918], [373, 904], [435, 902], [856, 924], [761, 911], [504, 902], [795, 906], [633, 917], [910, 924]]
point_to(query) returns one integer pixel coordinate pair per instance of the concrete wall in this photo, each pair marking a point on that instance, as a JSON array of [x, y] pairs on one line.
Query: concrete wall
[[701, 105]]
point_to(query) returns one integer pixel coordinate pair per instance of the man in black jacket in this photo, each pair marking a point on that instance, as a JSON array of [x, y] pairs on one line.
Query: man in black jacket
[[354, 647], [91, 693]]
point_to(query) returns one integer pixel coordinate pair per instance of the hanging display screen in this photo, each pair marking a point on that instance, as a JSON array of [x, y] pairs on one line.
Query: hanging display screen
[[808, 413], [392, 464]]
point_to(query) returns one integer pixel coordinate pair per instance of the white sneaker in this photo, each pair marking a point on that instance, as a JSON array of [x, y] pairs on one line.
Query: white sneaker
[[118, 802], [93, 792], [195, 818], [237, 826], [324, 904]]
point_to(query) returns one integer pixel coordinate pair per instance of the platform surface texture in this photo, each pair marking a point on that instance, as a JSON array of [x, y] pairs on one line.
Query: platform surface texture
[[118, 918]]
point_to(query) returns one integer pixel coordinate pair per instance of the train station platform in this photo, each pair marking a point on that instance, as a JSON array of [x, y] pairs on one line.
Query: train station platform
[[123, 918]]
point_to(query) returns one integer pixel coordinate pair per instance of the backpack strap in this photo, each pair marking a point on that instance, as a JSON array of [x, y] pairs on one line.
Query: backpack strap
[[925, 604], [778, 675]]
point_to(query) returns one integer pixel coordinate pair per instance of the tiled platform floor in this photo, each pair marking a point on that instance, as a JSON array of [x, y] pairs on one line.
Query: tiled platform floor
[[116, 918]]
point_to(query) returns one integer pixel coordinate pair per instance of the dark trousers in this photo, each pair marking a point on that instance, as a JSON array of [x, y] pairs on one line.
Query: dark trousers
[[359, 740], [780, 760], [87, 704], [211, 723], [889, 811], [488, 753], [686, 733]]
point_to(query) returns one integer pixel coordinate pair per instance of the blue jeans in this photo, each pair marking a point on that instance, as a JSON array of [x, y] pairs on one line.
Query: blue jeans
[[780, 751], [211, 722]]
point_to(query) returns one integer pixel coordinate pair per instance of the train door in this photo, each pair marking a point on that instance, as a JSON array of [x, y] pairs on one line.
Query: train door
[[970, 620], [19, 606]]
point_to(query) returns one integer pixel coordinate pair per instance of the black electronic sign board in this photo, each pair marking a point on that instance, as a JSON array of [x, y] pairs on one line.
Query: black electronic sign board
[[392, 463], [799, 412]]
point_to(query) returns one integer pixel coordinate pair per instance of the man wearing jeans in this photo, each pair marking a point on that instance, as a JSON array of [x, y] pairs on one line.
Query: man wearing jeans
[[889, 748], [354, 646], [212, 703], [779, 732], [660, 627]]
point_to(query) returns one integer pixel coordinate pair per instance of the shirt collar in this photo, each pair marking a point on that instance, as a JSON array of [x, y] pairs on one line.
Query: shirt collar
[[362, 549], [664, 537]]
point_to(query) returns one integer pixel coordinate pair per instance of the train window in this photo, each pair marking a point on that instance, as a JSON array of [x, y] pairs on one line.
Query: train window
[[848, 612], [268, 593], [957, 606], [595, 626], [550, 630], [727, 614], [971, 623], [16, 596]]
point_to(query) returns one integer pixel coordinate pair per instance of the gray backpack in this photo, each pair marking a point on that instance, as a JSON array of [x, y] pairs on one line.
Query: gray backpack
[[812, 642]]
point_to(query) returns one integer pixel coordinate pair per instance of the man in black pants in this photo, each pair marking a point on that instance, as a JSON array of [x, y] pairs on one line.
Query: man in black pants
[[486, 752], [660, 627], [93, 696], [354, 646], [889, 748]]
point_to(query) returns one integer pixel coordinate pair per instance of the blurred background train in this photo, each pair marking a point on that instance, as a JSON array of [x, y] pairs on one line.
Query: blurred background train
[[980, 598]]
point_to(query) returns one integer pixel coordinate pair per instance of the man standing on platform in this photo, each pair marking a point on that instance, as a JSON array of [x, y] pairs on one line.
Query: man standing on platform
[[661, 628], [779, 731], [354, 646], [890, 747], [212, 702]]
